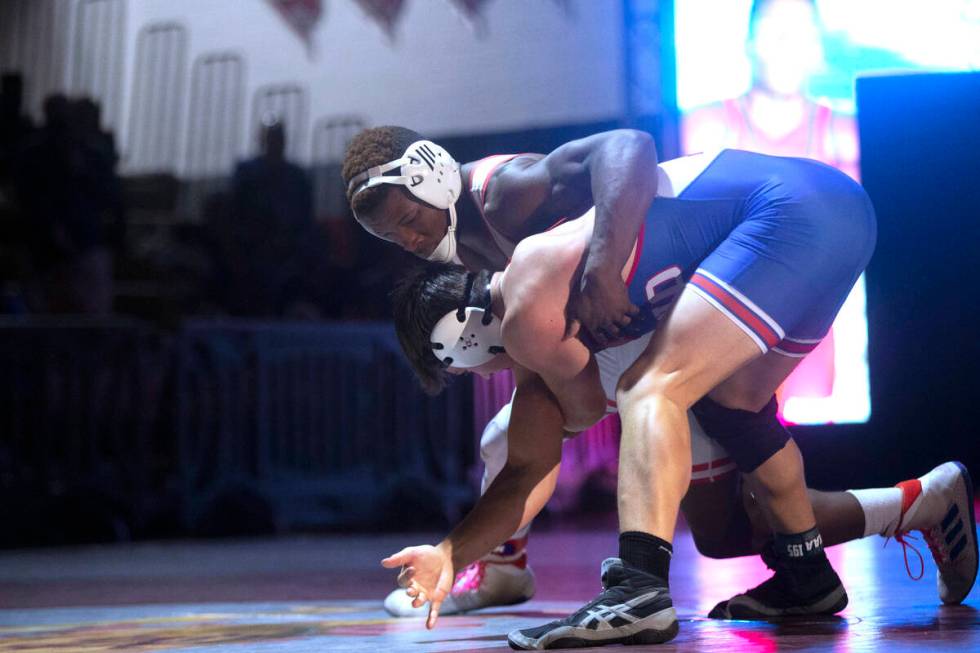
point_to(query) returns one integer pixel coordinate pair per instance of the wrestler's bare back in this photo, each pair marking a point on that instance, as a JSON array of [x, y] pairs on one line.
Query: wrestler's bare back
[[534, 290]]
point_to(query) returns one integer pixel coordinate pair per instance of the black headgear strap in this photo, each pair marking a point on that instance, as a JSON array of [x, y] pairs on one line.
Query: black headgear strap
[[486, 302]]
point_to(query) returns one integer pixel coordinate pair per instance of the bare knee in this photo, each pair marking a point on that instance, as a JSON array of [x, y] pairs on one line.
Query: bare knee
[[638, 384]]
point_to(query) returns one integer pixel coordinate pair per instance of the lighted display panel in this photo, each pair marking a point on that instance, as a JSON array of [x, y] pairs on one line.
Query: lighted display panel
[[777, 76]]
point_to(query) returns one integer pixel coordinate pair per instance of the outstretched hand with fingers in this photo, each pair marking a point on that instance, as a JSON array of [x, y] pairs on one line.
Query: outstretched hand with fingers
[[427, 574]]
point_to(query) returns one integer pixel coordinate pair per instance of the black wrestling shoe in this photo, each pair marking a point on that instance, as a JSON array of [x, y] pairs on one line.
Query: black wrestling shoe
[[800, 588], [633, 608]]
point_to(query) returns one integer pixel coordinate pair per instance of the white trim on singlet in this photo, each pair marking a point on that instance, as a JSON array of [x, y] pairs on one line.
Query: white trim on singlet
[[479, 177], [674, 176]]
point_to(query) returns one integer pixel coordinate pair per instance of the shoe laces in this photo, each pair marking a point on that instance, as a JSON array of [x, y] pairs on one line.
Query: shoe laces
[[903, 537], [470, 578]]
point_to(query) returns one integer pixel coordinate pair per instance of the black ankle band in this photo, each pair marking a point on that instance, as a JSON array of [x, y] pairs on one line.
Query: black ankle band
[[799, 546], [646, 552]]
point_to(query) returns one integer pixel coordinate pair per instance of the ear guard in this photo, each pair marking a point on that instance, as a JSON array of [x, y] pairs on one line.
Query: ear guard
[[467, 337], [431, 175]]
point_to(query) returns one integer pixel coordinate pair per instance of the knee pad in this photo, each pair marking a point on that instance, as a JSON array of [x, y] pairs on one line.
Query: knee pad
[[749, 438]]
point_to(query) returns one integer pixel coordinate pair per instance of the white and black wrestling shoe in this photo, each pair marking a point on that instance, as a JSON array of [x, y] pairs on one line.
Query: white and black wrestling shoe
[[940, 506], [633, 608]]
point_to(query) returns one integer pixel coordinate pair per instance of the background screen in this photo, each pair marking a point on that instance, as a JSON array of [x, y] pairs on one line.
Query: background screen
[[777, 76]]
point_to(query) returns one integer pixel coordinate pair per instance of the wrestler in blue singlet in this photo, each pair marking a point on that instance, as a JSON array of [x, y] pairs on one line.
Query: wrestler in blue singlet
[[775, 243]]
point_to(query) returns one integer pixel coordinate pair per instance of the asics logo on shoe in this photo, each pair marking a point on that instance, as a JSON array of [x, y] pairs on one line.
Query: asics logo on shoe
[[602, 617]]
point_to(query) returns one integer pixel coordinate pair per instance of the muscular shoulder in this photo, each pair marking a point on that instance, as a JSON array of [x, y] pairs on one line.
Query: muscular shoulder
[[514, 192], [534, 325], [532, 336]]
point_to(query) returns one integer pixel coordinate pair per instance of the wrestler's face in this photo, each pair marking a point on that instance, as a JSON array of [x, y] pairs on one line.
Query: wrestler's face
[[495, 364], [787, 48], [411, 224]]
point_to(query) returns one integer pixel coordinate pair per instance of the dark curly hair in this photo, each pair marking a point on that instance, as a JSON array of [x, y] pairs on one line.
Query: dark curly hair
[[374, 147], [421, 298]]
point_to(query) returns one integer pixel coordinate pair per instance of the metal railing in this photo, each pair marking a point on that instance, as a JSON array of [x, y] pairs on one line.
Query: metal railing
[[320, 420], [324, 421]]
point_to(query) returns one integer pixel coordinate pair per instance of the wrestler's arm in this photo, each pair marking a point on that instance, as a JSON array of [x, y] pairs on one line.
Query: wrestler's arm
[[515, 496], [567, 368], [616, 172], [527, 480], [533, 331]]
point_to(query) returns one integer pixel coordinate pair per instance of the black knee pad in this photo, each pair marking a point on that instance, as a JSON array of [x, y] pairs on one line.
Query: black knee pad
[[749, 438]]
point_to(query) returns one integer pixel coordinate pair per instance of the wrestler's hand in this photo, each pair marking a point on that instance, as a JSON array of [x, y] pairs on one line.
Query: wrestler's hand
[[427, 573], [601, 306]]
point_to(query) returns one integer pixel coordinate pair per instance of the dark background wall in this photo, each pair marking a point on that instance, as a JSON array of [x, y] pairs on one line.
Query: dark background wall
[[920, 160]]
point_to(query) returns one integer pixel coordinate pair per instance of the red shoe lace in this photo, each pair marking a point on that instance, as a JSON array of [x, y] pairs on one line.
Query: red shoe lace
[[470, 578], [900, 537]]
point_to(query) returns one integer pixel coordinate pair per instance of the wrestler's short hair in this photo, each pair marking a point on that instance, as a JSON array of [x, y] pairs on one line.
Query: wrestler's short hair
[[374, 147], [420, 299]]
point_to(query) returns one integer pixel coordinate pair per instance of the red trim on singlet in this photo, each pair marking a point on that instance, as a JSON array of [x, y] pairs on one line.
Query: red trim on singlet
[[737, 309], [486, 180], [721, 462], [636, 258], [793, 347], [712, 479]]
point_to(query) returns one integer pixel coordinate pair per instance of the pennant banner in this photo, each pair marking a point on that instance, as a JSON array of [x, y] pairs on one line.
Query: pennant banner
[[471, 11], [384, 12], [301, 16]]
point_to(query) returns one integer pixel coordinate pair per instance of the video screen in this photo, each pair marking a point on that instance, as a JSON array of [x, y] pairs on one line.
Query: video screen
[[777, 77]]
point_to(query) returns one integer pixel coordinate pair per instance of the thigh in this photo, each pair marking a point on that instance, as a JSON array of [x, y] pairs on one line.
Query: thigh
[[753, 385], [786, 268], [695, 349]]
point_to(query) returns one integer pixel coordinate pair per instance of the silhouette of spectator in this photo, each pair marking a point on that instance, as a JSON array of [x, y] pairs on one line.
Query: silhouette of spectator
[[14, 125], [99, 148], [66, 185], [15, 128], [275, 245]]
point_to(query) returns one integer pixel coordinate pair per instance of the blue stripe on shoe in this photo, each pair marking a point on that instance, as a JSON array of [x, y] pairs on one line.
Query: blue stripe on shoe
[[956, 530], [950, 516], [958, 548]]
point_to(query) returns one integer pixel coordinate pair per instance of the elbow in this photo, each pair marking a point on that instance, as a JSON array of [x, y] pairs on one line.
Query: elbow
[[639, 141], [585, 416]]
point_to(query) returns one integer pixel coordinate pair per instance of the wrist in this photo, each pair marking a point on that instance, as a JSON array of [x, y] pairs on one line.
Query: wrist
[[599, 267], [447, 549]]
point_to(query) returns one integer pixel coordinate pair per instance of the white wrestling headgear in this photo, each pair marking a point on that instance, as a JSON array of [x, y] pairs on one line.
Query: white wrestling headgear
[[468, 336], [430, 174]]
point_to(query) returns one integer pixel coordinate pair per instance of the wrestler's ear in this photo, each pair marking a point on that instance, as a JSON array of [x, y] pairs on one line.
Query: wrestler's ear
[[572, 328]]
